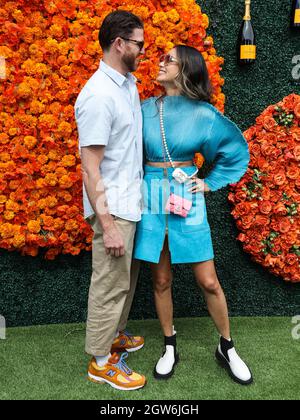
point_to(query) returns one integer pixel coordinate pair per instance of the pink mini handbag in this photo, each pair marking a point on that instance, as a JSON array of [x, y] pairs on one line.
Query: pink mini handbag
[[178, 205], [175, 204]]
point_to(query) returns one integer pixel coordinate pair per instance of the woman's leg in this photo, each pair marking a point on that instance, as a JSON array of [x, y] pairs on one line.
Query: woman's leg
[[207, 279], [162, 284]]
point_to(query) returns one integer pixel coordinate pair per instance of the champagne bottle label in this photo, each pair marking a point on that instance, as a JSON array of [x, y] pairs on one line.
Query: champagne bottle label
[[297, 16], [248, 52]]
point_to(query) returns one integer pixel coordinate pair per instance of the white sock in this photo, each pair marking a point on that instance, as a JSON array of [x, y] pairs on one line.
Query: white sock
[[102, 360]]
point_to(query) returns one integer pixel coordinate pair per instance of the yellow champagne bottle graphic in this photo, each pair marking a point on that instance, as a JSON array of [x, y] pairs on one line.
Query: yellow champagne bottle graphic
[[247, 44], [295, 20]]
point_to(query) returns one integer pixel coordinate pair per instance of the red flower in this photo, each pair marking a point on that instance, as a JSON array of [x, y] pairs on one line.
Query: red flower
[[265, 207], [297, 110], [273, 184], [284, 226], [280, 178], [291, 259], [269, 123]]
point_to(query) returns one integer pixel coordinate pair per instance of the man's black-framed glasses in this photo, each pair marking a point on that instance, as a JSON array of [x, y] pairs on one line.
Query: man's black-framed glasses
[[140, 44]]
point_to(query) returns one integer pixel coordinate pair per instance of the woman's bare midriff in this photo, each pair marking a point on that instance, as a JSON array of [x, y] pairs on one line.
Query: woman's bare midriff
[[168, 164]]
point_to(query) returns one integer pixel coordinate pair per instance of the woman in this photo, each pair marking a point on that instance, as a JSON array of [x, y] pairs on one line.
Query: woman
[[175, 127]]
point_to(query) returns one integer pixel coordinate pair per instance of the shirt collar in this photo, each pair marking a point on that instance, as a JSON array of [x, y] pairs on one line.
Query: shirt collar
[[117, 77]]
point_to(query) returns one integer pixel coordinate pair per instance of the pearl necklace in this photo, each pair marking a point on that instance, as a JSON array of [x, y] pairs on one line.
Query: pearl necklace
[[163, 133]]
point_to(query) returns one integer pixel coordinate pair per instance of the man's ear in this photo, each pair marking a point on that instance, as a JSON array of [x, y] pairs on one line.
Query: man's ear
[[118, 44]]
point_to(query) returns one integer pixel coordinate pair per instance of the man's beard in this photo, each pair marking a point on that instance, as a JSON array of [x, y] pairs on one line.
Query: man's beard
[[130, 61]]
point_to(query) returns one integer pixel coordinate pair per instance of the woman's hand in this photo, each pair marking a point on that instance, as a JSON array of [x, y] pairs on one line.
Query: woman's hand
[[199, 186]]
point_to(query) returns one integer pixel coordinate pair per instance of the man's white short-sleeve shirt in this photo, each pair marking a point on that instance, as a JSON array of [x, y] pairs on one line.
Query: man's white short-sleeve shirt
[[108, 113]]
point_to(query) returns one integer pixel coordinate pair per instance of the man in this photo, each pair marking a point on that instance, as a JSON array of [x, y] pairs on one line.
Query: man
[[109, 120]]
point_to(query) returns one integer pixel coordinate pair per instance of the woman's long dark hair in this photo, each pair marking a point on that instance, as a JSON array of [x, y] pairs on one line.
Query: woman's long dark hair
[[193, 78]]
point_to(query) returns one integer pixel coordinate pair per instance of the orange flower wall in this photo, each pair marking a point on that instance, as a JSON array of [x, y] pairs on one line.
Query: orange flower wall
[[267, 199], [51, 49]]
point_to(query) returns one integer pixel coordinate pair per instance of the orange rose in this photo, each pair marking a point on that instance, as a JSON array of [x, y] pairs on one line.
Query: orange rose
[[255, 149], [295, 131], [280, 209], [242, 237], [276, 195], [243, 209], [277, 245], [269, 123], [267, 149], [280, 178], [265, 207], [241, 196], [247, 221], [250, 133], [289, 103], [291, 259], [271, 138], [262, 163], [293, 172], [253, 249], [291, 237], [261, 220], [297, 110], [281, 137], [266, 194], [271, 261], [283, 245], [231, 198], [296, 152], [284, 226]]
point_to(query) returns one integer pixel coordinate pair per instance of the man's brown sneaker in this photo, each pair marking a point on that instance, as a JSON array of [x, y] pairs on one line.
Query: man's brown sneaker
[[126, 342], [116, 373]]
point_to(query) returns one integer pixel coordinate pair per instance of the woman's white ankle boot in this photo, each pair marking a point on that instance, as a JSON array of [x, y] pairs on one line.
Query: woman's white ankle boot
[[164, 368]]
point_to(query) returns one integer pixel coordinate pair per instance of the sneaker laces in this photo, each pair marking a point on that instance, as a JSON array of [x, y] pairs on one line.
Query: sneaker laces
[[128, 335], [121, 364]]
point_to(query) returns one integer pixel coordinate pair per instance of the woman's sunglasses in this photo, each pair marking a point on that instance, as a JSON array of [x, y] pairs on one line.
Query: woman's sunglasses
[[168, 59]]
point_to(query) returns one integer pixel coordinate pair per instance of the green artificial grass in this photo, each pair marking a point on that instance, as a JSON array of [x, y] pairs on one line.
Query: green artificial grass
[[48, 362]]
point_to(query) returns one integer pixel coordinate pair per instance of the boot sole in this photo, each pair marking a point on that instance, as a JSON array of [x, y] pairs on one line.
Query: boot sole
[[102, 381], [168, 375], [224, 364]]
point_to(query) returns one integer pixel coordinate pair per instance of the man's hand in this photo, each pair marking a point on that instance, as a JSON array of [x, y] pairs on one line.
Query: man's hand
[[113, 242]]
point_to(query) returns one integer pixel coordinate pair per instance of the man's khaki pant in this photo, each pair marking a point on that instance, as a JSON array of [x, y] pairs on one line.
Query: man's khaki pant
[[112, 288]]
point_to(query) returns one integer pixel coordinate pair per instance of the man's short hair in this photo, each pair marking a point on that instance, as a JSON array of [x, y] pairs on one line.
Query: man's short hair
[[118, 24]]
